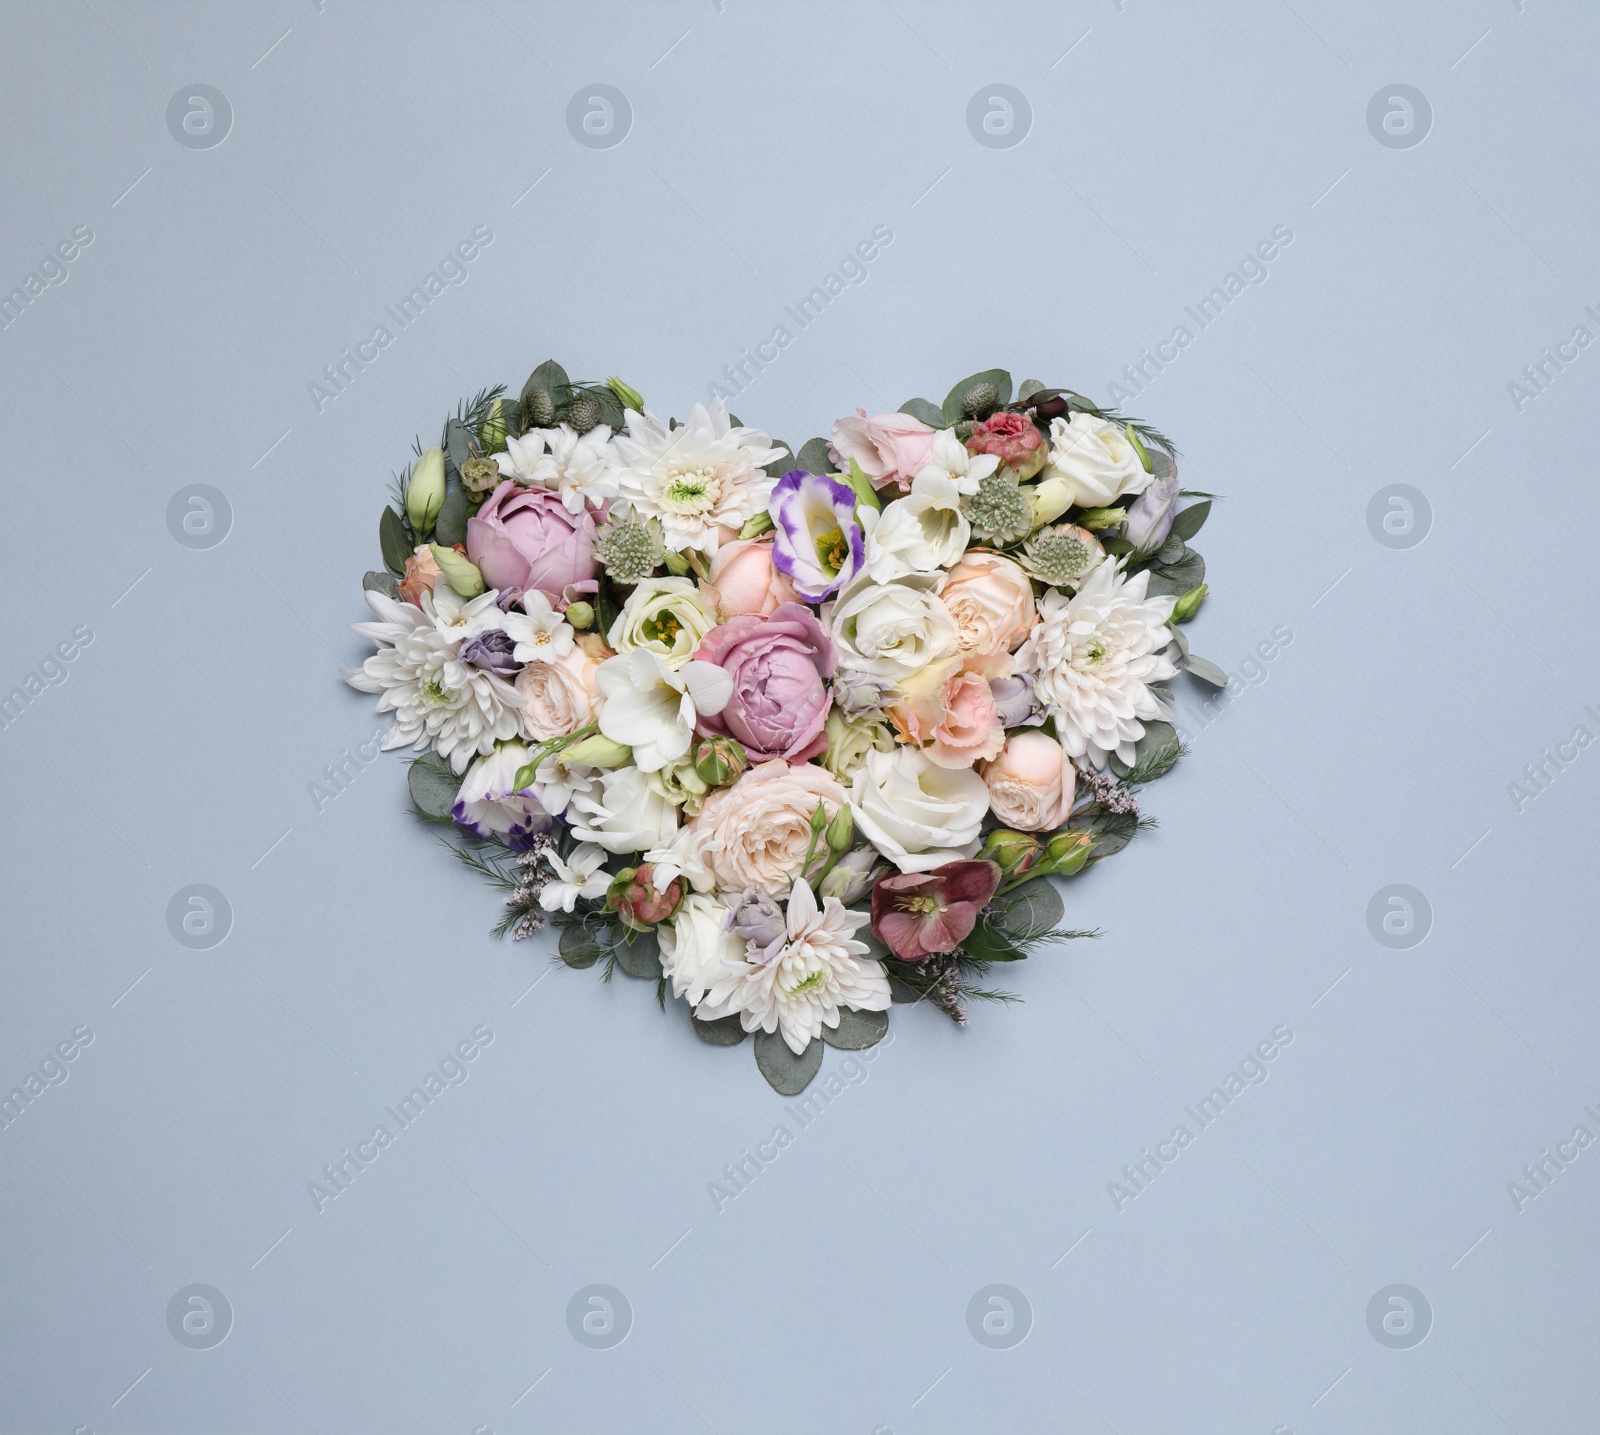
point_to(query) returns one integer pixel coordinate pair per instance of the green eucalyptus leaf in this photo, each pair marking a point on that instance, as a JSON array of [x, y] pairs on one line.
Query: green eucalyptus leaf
[[1189, 520], [929, 413], [1206, 671], [1154, 754], [637, 953], [380, 580], [782, 465], [552, 377], [434, 785], [611, 410], [392, 541], [900, 991], [987, 942], [1177, 578], [579, 947], [450, 527], [998, 377], [1028, 911], [787, 1073], [1112, 831], [1029, 388], [857, 1030], [814, 456], [726, 1031], [457, 443]]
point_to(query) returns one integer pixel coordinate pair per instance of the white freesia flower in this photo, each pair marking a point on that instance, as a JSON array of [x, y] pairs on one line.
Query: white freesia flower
[[698, 477], [577, 467], [820, 969], [460, 709], [919, 815], [698, 951], [949, 459], [581, 875], [490, 803], [667, 616], [1094, 461], [652, 708], [1093, 657], [921, 533], [680, 858], [462, 619], [541, 634], [621, 812], [555, 784], [890, 630]]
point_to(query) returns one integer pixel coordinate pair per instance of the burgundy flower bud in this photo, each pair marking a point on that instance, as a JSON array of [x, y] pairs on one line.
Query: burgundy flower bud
[[633, 897]]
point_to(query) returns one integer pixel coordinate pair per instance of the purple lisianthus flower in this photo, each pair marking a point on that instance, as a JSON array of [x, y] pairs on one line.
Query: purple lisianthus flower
[[760, 921], [1015, 703], [491, 652], [489, 805], [1150, 518], [817, 543]]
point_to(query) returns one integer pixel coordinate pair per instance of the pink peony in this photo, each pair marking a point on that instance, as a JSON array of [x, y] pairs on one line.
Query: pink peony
[[890, 449], [1031, 783], [525, 538], [1012, 438], [743, 581], [780, 666]]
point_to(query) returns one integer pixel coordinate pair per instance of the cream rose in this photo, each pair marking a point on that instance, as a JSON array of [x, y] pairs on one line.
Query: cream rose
[[991, 601], [1031, 783], [557, 697], [890, 630], [918, 815], [1094, 461], [664, 616], [755, 833], [698, 952], [622, 812], [850, 739]]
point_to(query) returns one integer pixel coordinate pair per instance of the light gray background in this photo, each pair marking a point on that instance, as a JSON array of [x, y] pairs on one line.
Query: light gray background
[[1167, 141]]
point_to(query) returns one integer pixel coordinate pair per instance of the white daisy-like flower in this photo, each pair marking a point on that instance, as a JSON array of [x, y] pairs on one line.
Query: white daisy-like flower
[[1092, 658], [949, 459], [541, 634], [652, 708], [462, 710], [581, 875], [700, 476], [820, 968], [563, 461]]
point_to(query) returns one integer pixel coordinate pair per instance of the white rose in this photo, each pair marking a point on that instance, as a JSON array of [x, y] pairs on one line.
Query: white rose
[[918, 815], [850, 739], [1092, 461], [622, 812], [890, 630], [698, 952], [919, 533], [665, 616]]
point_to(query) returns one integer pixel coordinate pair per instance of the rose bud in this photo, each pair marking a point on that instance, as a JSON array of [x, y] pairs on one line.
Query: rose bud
[[633, 897], [493, 432], [760, 921], [1066, 852], [1150, 518], [627, 397], [852, 876], [840, 831], [1097, 520], [460, 573], [1014, 439], [580, 614], [1015, 852], [597, 750], [425, 490], [719, 760], [1188, 605]]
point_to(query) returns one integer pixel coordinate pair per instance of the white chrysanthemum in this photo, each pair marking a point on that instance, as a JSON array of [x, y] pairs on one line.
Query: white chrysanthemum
[[696, 478], [1093, 657], [577, 467], [819, 969], [460, 709]]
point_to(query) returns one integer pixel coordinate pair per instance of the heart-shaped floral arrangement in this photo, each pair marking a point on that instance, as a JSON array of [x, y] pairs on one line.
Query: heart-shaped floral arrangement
[[797, 733]]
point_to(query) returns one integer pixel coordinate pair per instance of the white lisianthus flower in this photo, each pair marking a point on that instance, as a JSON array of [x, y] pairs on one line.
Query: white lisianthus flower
[[1092, 462], [888, 631], [919, 815], [921, 533], [559, 459], [950, 460], [696, 478], [652, 708], [665, 616], [490, 804], [698, 951], [819, 969], [1092, 659], [621, 812], [462, 710], [540, 633], [581, 875]]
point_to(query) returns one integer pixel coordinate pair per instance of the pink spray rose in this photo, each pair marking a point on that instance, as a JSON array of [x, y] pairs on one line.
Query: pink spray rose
[[780, 665], [991, 599], [1012, 438], [525, 538], [948, 709], [1031, 783], [890, 449], [743, 581], [420, 576]]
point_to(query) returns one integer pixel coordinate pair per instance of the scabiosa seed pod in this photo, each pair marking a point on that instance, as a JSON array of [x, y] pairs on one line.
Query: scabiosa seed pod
[[631, 548], [539, 408], [480, 476], [583, 413], [998, 511]]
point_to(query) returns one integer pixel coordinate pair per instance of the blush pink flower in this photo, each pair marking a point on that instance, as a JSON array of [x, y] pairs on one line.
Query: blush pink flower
[[890, 449], [420, 575], [744, 581], [1012, 438], [1032, 782], [948, 710], [919, 914], [525, 538], [780, 666]]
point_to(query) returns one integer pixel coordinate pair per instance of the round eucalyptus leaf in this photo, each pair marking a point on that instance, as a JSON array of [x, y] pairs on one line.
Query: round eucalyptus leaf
[[1028, 911], [857, 1030], [638, 953], [726, 1031], [786, 1073], [433, 785]]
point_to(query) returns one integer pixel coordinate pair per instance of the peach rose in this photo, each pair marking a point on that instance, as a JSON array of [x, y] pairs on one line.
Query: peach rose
[[744, 582], [991, 599], [755, 833], [558, 697], [420, 575], [1031, 783], [948, 711]]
